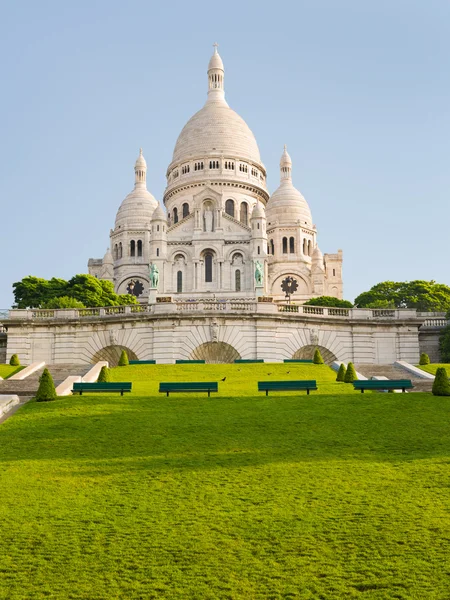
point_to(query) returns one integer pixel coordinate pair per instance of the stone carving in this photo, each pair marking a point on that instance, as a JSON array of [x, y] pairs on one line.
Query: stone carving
[[314, 337], [214, 332], [259, 275], [113, 337], [208, 218], [154, 276]]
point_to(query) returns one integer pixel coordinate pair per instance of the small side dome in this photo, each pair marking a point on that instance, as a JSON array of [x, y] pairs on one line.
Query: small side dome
[[317, 254], [258, 211], [215, 61], [140, 161], [108, 258], [159, 214]]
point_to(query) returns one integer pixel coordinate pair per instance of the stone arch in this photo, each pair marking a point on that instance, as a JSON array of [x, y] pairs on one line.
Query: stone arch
[[215, 352], [112, 355], [307, 353]]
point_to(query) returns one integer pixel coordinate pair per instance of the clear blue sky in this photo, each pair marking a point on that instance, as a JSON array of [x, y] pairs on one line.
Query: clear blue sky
[[358, 90]]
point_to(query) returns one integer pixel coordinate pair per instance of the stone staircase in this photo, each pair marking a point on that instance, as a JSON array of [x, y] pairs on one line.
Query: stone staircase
[[28, 387], [394, 372]]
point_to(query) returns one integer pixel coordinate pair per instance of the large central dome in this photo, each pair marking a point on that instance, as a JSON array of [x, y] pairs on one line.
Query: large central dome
[[216, 128]]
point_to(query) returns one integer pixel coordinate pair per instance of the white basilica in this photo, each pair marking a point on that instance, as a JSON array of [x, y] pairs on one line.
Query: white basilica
[[221, 225]]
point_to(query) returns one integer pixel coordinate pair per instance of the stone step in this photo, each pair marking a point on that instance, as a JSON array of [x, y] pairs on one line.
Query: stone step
[[394, 372], [28, 387]]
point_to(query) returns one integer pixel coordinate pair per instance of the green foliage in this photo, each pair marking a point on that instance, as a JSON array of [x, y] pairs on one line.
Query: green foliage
[[317, 360], [14, 361], [433, 367], [63, 302], [46, 390], [341, 373], [123, 360], [328, 301], [350, 374], [246, 497], [87, 290], [104, 375], [444, 344], [421, 295], [7, 371], [441, 384], [424, 359]]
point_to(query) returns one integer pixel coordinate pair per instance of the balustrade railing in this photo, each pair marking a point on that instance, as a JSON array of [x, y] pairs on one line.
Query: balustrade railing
[[439, 322], [384, 313]]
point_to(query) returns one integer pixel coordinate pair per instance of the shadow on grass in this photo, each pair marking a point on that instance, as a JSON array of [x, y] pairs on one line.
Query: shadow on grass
[[127, 434]]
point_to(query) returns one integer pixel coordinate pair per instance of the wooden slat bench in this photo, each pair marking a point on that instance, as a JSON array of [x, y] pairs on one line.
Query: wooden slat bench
[[142, 362], [249, 360], [383, 384], [189, 386], [298, 360], [286, 386], [189, 362], [104, 386]]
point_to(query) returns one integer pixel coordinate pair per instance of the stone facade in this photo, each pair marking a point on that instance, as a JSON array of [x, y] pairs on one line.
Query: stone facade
[[219, 223]]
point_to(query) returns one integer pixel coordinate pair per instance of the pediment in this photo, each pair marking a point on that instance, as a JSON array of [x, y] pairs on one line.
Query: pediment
[[207, 193]]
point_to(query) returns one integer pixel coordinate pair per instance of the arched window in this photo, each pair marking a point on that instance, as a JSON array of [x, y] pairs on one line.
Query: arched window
[[116, 252], [132, 248], [259, 250], [291, 245], [304, 246], [309, 247], [179, 281], [334, 272], [285, 245], [139, 248], [175, 215], [272, 247], [229, 207], [208, 267], [244, 213], [157, 251], [120, 250], [237, 280], [185, 209]]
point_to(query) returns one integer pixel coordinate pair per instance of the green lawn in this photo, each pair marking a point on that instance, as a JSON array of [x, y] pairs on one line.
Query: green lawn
[[7, 370], [434, 367], [241, 379], [310, 497]]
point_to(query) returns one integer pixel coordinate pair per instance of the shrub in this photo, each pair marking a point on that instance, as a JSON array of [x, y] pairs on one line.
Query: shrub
[[329, 301], [123, 360], [46, 390], [350, 375], [104, 375], [444, 344], [424, 359], [341, 373], [14, 361], [317, 360], [441, 384]]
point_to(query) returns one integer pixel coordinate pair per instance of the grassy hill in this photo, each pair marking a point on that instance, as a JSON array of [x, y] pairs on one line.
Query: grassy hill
[[8, 370], [242, 497]]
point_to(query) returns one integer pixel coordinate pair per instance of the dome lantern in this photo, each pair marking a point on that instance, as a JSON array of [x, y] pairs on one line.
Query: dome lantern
[[285, 166], [140, 170], [216, 75]]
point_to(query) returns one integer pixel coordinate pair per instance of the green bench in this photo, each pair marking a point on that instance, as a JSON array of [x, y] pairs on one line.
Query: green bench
[[142, 362], [249, 360], [298, 360], [189, 386], [383, 384], [104, 386], [189, 362], [286, 386]]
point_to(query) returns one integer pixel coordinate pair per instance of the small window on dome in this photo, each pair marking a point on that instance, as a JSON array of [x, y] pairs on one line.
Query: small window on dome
[[132, 248], [185, 208], [139, 248], [291, 245], [175, 215], [285, 245], [229, 207]]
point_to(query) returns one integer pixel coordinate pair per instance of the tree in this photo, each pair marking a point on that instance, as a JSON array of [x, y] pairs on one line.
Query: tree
[[14, 361], [350, 375], [104, 375], [46, 390], [328, 301], [444, 344], [424, 359], [341, 373], [424, 296], [317, 360], [441, 384], [123, 360], [87, 290]]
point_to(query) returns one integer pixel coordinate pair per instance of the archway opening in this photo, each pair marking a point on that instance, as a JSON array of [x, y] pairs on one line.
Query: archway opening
[[112, 355], [307, 353], [216, 353]]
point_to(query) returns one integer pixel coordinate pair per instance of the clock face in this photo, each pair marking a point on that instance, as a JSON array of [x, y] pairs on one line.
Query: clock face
[[289, 285], [135, 287]]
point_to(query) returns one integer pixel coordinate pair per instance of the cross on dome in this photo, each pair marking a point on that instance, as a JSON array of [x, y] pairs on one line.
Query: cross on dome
[[215, 45]]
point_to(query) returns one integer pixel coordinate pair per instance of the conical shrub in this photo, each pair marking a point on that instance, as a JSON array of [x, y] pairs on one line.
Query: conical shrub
[[341, 373], [14, 361], [46, 390], [123, 360], [350, 374], [317, 360], [441, 384], [424, 359], [104, 375]]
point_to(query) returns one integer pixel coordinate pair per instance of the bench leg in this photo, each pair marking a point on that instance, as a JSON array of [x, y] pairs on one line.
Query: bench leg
[[81, 392], [403, 390], [362, 391], [307, 392], [267, 392], [209, 393], [167, 394], [121, 392]]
